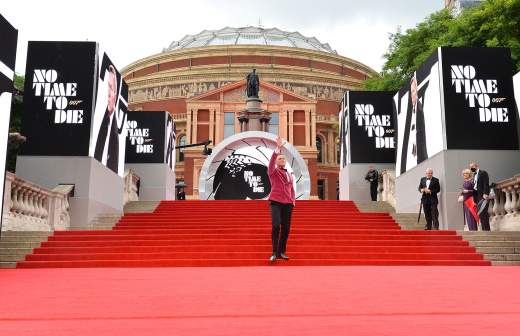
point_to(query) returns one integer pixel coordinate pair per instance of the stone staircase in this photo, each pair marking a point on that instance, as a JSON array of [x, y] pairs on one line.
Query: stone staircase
[[141, 206], [500, 247], [14, 245], [407, 221]]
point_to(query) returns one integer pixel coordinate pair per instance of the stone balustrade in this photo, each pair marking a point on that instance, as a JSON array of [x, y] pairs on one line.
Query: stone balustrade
[[30, 207], [132, 182], [388, 188], [504, 209]]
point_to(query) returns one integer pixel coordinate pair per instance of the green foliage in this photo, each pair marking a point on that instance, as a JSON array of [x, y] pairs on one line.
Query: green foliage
[[494, 23]]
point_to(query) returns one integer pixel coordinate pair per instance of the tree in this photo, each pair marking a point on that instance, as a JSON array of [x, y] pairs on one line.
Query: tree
[[494, 23]]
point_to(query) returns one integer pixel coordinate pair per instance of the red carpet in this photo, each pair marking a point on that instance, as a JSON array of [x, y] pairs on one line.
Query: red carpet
[[371, 301], [237, 233]]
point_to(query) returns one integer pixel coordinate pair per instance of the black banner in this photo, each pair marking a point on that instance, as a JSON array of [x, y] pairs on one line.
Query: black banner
[[8, 42], [243, 175], [145, 142], [371, 127], [58, 97], [480, 111]]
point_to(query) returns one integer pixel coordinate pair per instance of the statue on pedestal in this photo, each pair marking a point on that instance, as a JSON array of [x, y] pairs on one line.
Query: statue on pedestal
[[253, 84]]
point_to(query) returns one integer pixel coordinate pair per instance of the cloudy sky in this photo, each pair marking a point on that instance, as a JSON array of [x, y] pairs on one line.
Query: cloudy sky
[[132, 30]]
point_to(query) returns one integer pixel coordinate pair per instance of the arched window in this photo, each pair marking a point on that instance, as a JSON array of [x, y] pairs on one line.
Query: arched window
[[319, 146], [182, 142]]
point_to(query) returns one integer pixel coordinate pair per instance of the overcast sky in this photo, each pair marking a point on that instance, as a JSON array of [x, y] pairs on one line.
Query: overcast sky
[[132, 30]]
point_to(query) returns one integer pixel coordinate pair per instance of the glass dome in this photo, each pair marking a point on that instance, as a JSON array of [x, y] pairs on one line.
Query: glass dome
[[250, 35]]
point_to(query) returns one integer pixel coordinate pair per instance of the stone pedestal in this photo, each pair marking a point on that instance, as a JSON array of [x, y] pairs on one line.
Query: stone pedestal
[[352, 183], [447, 166], [97, 189], [254, 118], [157, 181]]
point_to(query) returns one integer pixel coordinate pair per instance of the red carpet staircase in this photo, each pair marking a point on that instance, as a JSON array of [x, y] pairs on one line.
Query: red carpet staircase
[[237, 233]]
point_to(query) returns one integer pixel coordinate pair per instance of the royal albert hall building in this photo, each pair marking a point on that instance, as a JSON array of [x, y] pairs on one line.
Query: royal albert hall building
[[200, 81]]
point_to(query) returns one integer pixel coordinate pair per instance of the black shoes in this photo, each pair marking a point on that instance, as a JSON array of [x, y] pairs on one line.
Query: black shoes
[[283, 256]]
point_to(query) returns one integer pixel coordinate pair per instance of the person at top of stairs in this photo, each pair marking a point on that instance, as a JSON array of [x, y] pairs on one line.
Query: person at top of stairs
[[282, 201]]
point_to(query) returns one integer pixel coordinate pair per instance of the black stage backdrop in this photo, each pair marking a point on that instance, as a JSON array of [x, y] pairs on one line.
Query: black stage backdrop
[[145, 142], [243, 175], [8, 41], [371, 126], [58, 95], [479, 102], [419, 125]]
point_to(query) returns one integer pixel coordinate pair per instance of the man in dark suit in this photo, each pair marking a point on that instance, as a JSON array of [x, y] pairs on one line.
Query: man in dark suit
[[108, 154], [481, 182], [429, 187], [414, 138], [373, 177]]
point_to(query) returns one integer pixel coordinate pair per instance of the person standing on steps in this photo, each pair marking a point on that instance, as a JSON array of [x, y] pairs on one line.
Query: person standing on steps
[[481, 193], [429, 187], [282, 201], [372, 177]]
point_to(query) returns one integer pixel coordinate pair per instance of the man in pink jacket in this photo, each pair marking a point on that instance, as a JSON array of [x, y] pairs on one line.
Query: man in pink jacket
[[282, 201]]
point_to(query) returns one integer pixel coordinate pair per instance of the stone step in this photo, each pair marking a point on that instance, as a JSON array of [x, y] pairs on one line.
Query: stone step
[[505, 263], [7, 264], [141, 206], [490, 233], [495, 244], [503, 257], [25, 234], [12, 258], [491, 238], [23, 239], [499, 249], [21, 244], [14, 250]]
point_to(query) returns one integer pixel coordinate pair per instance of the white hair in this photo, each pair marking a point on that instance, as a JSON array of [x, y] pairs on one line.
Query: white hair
[[429, 170]]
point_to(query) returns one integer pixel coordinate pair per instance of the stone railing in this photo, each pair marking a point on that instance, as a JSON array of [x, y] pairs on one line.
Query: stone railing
[[132, 182], [504, 209], [388, 193], [30, 207]]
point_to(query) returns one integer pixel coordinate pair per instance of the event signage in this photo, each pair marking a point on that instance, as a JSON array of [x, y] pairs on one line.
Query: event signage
[[75, 103], [8, 42], [150, 138], [479, 104], [456, 99], [516, 83], [367, 127], [238, 168]]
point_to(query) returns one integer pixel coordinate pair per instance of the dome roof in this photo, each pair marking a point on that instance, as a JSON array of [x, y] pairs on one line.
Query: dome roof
[[250, 35]]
